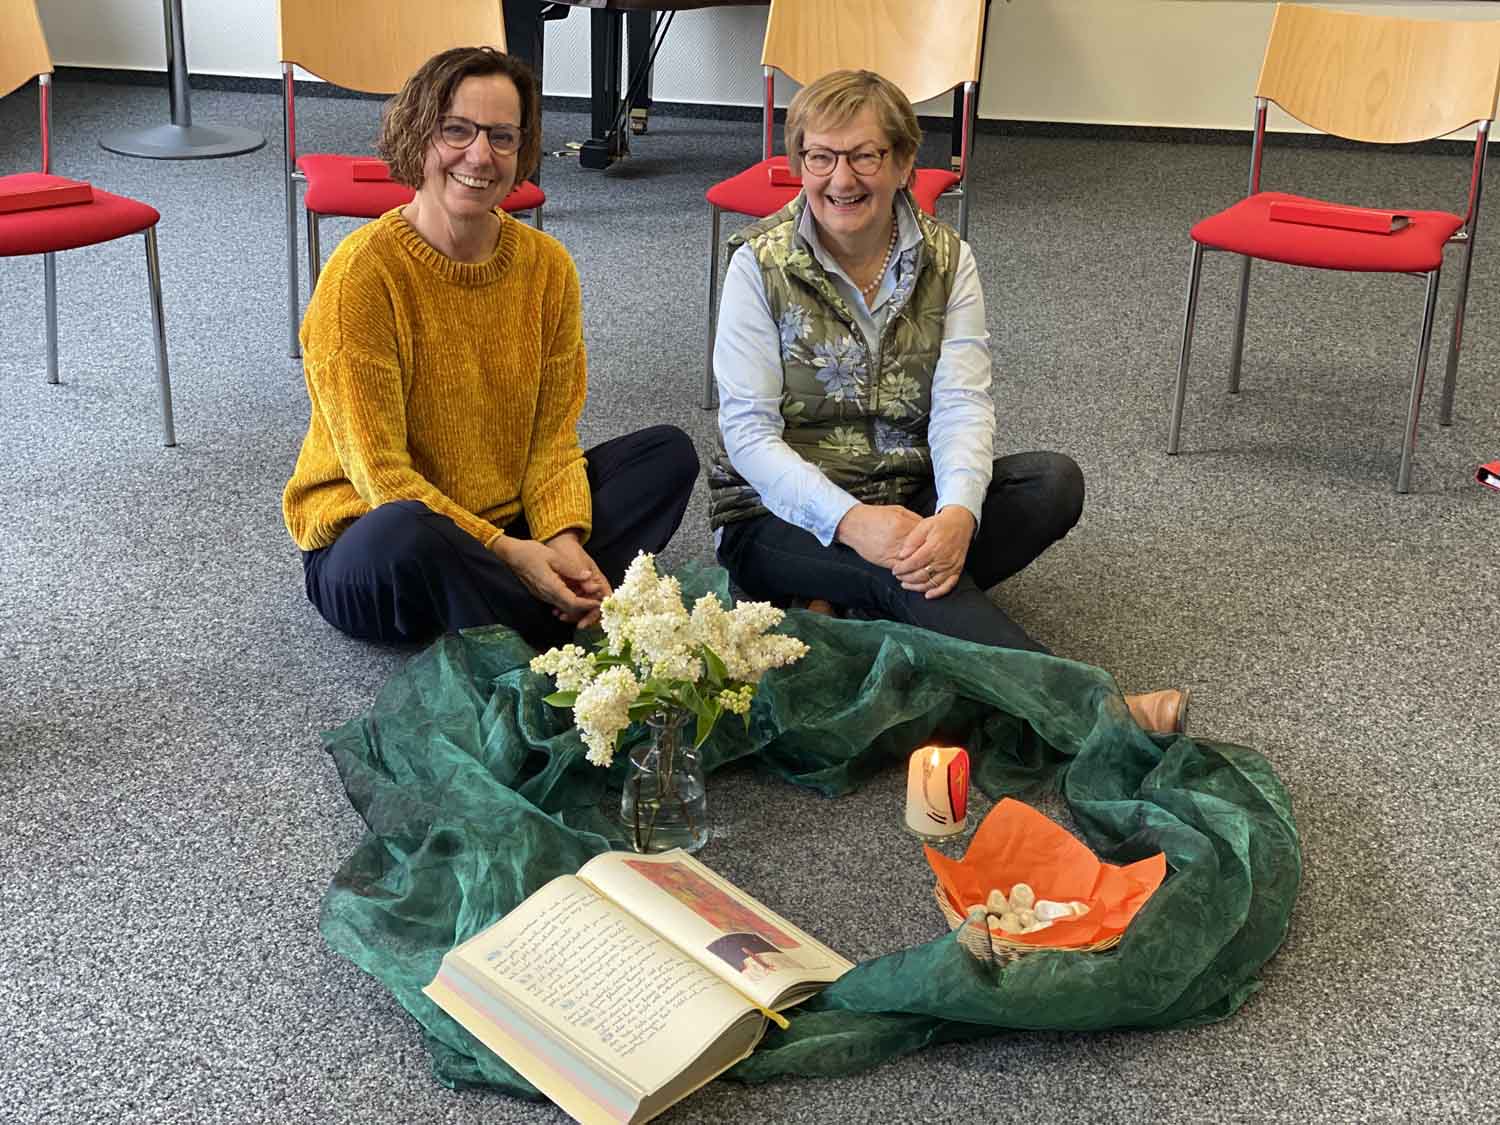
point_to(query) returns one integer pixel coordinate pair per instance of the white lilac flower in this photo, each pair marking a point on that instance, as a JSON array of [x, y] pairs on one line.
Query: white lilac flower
[[570, 665], [643, 594], [666, 643], [736, 638], [602, 711]]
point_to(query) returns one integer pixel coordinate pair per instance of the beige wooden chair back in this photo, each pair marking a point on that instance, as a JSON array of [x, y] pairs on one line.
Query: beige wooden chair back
[[376, 45], [1378, 78], [23, 48], [924, 48]]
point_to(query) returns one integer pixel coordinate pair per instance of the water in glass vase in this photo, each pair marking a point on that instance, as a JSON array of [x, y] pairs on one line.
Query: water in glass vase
[[664, 805]]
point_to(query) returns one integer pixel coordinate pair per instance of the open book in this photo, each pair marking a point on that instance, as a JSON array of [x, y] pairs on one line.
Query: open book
[[622, 989]]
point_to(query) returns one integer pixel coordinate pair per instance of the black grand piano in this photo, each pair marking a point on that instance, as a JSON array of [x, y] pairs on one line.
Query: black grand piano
[[619, 110]]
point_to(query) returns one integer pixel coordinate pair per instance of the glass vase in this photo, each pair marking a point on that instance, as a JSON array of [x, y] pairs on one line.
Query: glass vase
[[664, 805]]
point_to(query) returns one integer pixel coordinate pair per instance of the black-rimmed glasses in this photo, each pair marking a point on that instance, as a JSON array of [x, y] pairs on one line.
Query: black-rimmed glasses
[[863, 161], [459, 132]]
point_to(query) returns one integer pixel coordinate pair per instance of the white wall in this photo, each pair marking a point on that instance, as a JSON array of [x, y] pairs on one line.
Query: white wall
[[1123, 62]]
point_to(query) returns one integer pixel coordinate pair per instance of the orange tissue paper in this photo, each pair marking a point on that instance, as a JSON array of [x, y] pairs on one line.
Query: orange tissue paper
[[1017, 844]]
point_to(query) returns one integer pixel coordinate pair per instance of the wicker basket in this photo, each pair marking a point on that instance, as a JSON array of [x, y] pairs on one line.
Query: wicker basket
[[990, 943]]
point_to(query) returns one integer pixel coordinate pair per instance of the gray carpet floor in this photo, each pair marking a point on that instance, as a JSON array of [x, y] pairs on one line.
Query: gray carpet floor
[[168, 820]]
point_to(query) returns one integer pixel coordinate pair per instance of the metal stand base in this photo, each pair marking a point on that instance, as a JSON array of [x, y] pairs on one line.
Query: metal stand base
[[183, 142]]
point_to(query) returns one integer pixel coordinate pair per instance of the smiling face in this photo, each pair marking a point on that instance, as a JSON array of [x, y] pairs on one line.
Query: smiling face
[[848, 206], [467, 183]]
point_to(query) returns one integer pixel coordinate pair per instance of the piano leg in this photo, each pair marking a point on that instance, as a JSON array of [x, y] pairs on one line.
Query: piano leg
[[525, 37], [606, 52], [638, 32]]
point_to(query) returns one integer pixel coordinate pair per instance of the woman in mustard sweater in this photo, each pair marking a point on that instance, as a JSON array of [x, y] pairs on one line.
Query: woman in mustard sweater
[[441, 483]]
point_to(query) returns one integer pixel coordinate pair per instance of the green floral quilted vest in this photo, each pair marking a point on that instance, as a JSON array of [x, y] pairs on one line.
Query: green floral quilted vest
[[860, 418]]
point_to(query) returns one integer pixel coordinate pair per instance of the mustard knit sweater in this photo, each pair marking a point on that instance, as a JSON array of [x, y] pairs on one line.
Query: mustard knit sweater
[[457, 384]]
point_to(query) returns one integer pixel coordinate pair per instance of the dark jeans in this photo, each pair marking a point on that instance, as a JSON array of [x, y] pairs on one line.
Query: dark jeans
[[1033, 501], [403, 573]]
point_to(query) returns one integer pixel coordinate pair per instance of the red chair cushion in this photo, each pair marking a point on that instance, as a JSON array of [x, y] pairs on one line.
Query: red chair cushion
[[65, 228], [333, 190], [752, 193], [1247, 228]]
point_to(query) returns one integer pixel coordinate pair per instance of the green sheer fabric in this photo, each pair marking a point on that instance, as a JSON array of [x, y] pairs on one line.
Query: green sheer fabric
[[476, 793]]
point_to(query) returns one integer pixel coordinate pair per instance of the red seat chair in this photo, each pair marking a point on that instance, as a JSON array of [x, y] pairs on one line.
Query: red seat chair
[[372, 46], [925, 49], [50, 230], [1364, 78]]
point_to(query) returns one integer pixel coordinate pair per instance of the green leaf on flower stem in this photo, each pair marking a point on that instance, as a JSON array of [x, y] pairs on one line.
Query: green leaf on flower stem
[[561, 698], [707, 717], [716, 667]]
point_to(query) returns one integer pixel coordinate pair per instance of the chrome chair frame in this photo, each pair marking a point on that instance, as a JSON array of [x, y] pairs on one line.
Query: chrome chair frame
[[153, 275], [1464, 235], [768, 149]]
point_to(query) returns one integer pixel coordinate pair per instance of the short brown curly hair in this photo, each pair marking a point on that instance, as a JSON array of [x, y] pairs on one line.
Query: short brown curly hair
[[410, 119]]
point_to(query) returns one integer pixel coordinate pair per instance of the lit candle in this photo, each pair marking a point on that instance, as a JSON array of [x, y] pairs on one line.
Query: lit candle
[[937, 791]]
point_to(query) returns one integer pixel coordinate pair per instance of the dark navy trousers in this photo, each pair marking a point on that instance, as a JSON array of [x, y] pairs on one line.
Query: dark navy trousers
[[404, 574], [1034, 500]]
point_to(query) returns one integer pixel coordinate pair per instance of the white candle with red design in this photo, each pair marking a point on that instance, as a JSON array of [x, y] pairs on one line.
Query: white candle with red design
[[937, 791]]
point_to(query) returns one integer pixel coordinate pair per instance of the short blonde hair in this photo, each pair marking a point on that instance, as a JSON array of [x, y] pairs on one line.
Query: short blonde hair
[[837, 98]]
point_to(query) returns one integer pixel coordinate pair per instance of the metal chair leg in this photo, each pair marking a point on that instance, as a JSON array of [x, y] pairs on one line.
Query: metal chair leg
[[158, 325], [1239, 328], [710, 389], [1190, 315], [1418, 377], [314, 254], [536, 218], [293, 296], [963, 213], [1456, 342], [49, 276]]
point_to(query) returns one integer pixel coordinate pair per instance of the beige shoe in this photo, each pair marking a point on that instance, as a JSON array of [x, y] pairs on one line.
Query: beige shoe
[[1161, 712]]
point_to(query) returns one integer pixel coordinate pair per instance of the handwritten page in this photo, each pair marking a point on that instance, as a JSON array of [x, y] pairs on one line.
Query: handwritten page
[[615, 988], [746, 944]]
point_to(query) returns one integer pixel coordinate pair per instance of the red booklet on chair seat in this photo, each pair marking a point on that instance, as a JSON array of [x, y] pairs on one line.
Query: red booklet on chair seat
[[781, 176], [371, 170], [1362, 219], [1488, 475], [54, 195]]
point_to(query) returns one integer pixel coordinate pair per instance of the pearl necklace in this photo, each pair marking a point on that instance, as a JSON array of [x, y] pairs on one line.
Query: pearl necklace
[[869, 291]]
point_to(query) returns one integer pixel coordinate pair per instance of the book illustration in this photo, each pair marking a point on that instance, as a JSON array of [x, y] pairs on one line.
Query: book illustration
[[710, 903], [753, 955]]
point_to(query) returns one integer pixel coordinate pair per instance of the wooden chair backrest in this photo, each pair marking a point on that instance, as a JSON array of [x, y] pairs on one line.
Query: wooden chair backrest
[[1379, 78], [924, 48], [375, 45], [23, 48]]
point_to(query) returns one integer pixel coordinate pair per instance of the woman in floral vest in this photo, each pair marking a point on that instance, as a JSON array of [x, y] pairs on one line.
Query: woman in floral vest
[[856, 464]]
